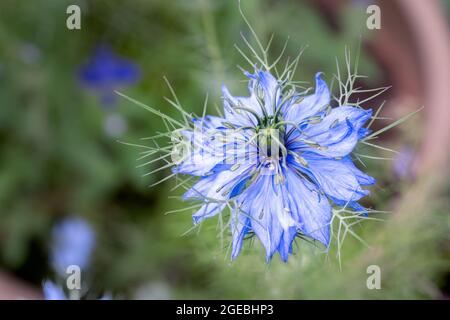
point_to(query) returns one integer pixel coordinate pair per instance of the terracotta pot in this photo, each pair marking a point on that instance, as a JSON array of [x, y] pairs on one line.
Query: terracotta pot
[[12, 288]]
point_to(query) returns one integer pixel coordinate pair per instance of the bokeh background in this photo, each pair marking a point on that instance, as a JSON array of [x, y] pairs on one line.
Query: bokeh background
[[60, 124]]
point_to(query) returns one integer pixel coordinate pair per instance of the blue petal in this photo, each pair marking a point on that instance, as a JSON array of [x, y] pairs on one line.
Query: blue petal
[[221, 167], [285, 247], [363, 132], [240, 226], [263, 203], [277, 211], [363, 179], [215, 190], [353, 205], [198, 164], [310, 209], [207, 149], [269, 86], [310, 105], [217, 186], [208, 210], [202, 154], [337, 133], [240, 117], [335, 177], [238, 188]]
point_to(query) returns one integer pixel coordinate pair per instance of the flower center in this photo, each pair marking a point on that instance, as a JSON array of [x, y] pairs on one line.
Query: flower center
[[270, 143]]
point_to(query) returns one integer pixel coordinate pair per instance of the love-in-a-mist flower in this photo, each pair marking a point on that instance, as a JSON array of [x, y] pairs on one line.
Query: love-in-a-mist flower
[[73, 241], [279, 159]]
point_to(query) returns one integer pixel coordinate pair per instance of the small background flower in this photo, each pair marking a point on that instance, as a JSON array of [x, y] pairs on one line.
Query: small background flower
[[402, 164], [53, 291], [72, 243], [106, 71]]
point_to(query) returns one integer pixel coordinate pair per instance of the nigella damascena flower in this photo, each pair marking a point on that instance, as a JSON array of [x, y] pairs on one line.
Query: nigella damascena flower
[[280, 159], [73, 241]]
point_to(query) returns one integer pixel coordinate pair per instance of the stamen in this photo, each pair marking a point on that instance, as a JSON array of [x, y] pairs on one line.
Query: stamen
[[315, 119], [300, 160], [334, 124], [261, 214], [235, 167], [228, 125]]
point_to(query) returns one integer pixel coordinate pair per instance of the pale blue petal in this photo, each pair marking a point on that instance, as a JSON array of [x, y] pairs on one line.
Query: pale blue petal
[[310, 105], [205, 147], [215, 190], [240, 117], [335, 178], [264, 205], [363, 132], [240, 226], [310, 209], [219, 186], [198, 165], [285, 247], [337, 133], [266, 82], [363, 179], [208, 210]]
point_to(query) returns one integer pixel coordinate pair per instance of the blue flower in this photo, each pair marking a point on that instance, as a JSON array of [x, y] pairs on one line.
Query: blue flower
[[105, 72], [54, 292], [72, 243], [280, 159]]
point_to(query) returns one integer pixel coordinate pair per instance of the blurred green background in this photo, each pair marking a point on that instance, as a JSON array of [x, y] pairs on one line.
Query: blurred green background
[[57, 159]]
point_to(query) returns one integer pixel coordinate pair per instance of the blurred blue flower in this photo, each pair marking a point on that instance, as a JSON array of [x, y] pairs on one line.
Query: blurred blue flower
[[280, 159], [106, 72], [54, 292], [403, 162], [72, 243]]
